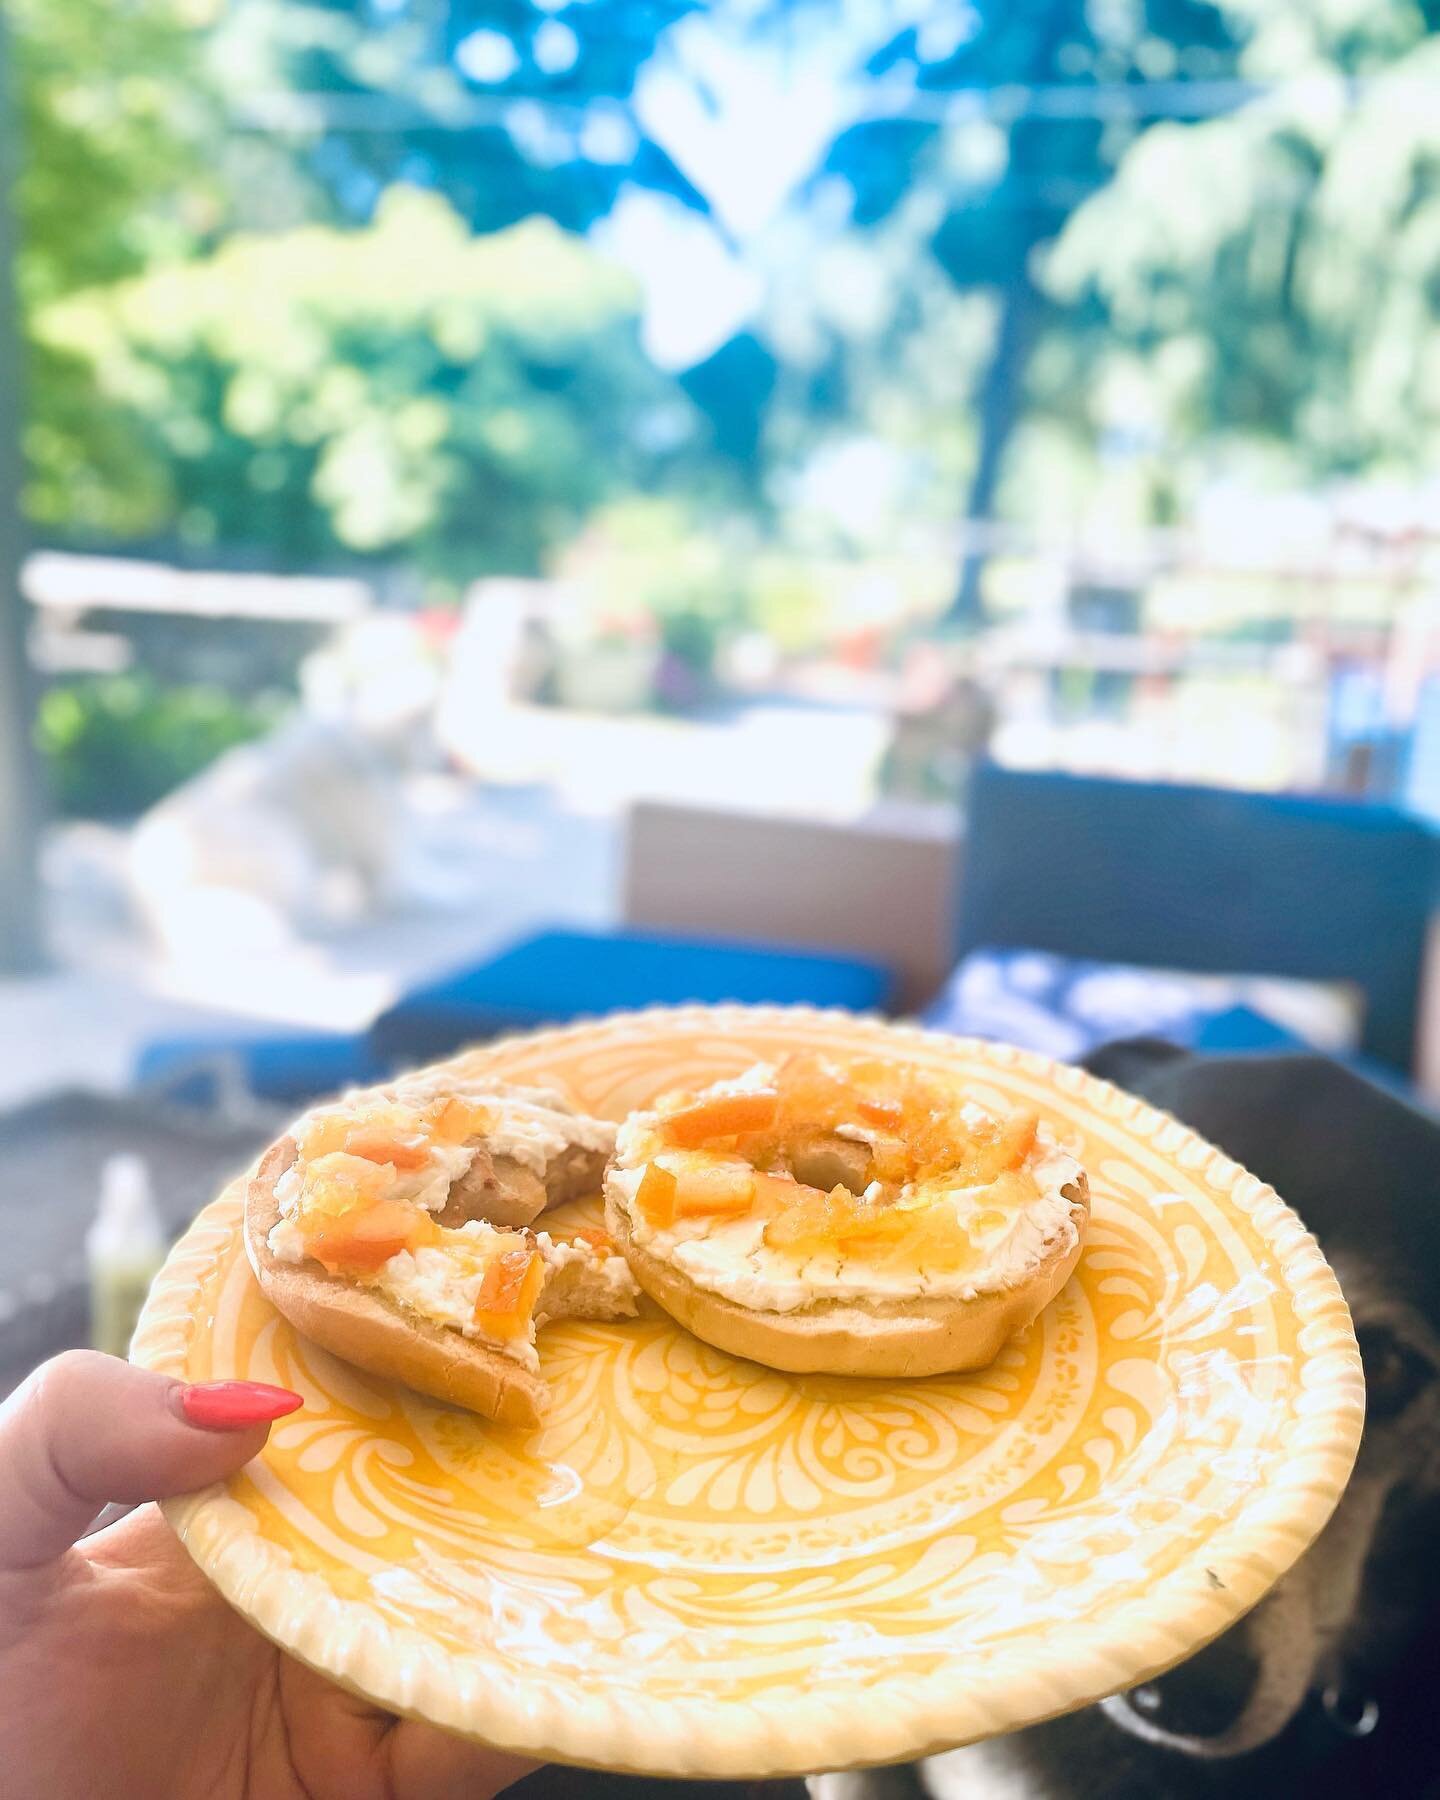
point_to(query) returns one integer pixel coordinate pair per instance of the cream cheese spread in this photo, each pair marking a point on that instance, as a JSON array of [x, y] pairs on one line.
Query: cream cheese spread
[[728, 1256], [533, 1126], [442, 1283]]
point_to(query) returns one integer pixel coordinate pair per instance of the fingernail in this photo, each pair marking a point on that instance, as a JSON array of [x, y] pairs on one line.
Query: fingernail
[[232, 1405]]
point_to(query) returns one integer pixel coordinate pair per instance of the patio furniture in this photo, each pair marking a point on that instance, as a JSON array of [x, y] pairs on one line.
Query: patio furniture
[[878, 887], [1189, 878], [1067, 1007], [290, 1067], [561, 975]]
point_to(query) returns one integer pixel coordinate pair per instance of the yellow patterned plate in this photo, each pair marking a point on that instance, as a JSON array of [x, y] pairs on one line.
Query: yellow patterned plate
[[700, 1566]]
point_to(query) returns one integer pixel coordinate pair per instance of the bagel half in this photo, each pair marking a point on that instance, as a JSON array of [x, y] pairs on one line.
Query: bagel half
[[900, 1338], [365, 1328]]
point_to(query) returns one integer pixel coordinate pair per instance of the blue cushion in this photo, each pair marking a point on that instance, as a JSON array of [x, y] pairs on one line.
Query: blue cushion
[[296, 1066], [561, 975], [1067, 1008], [1205, 879], [1048, 1003], [1241, 1028]]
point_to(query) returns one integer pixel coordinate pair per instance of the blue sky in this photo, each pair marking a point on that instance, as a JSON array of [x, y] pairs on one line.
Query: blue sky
[[746, 113]]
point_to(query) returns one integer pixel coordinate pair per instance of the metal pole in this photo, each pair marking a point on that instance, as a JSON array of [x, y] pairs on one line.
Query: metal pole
[[20, 939]]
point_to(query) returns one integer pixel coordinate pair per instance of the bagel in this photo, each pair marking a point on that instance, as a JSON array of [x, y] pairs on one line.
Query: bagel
[[850, 1219], [394, 1228]]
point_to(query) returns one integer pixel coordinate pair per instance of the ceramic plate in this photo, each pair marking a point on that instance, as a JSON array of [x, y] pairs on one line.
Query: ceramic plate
[[700, 1566]]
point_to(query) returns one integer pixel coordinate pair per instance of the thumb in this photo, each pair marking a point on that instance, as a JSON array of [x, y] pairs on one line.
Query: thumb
[[87, 1429]]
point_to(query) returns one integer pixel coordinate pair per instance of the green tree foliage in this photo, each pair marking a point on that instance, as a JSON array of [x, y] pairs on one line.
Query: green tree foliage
[[506, 107], [325, 391], [116, 743], [113, 129], [152, 132], [989, 184], [1281, 320], [112, 125]]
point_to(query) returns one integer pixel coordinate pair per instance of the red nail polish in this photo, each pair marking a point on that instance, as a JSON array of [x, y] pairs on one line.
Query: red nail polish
[[232, 1405]]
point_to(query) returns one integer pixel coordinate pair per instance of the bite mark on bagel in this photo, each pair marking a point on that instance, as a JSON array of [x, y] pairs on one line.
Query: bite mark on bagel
[[364, 1326]]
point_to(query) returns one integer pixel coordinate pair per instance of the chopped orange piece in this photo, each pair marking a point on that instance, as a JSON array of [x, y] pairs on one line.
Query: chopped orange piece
[[456, 1121], [696, 1189], [813, 1094], [913, 1237], [891, 1161], [835, 1221], [508, 1291], [727, 1188], [385, 1134], [948, 1243], [1011, 1190], [934, 1239], [779, 1192], [324, 1135], [923, 1147], [376, 1144], [596, 1238], [358, 1241], [339, 1183], [819, 1095], [872, 1230], [932, 1144], [805, 1226], [655, 1197], [984, 1158], [723, 1115]]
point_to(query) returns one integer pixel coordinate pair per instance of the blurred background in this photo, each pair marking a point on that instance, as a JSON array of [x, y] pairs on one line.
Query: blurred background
[[509, 509]]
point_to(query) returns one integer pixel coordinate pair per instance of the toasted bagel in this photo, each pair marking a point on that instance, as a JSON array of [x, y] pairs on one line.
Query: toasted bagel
[[846, 1219], [905, 1338], [363, 1327], [393, 1333]]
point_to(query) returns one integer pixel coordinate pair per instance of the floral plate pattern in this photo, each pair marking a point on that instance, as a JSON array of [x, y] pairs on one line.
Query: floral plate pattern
[[699, 1566]]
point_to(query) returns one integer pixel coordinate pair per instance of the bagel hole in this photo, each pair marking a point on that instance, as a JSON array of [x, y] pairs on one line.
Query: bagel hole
[[828, 1161]]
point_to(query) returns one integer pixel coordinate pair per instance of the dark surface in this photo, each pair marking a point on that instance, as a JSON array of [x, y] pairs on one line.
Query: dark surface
[[589, 1784], [1205, 879], [1335, 1146], [52, 1151], [1362, 1168]]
